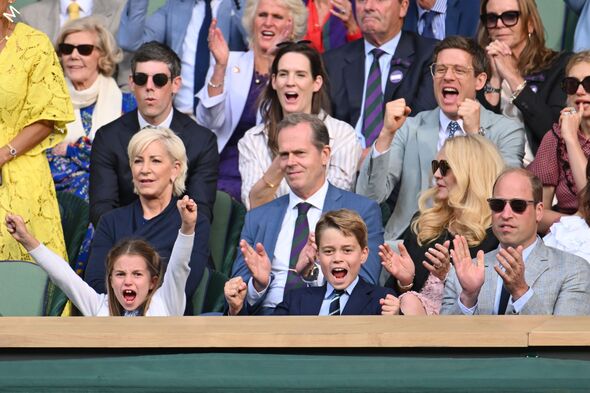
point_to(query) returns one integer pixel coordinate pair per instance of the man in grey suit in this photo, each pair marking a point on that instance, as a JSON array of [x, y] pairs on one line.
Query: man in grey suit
[[50, 15], [523, 276], [402, 154]]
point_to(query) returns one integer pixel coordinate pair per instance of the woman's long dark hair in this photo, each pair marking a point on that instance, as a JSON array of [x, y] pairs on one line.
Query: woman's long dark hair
[[270, 106]]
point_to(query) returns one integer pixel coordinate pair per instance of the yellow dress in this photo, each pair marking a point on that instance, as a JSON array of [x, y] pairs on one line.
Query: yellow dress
[[32, 88]]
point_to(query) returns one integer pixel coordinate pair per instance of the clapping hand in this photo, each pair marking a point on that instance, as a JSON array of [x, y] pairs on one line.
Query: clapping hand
[[258, 263], [307, 256], [439, 260], [471, 276], [399, 266]]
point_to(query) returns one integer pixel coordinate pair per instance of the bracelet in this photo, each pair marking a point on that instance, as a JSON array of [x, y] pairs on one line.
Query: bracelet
[[269, 184], [405, 287], [11, 150], [215, 86], [517, 91]]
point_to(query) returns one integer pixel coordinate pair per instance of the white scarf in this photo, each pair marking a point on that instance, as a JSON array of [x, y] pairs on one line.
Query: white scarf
[[109, 99]]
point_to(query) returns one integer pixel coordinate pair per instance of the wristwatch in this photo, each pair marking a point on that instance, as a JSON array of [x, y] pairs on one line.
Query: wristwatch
[[491, 89], [313, 273]]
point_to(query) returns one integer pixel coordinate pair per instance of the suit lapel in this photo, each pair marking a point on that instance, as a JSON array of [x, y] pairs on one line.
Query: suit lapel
[[452, 17], [487, 296], [536, 263], [312, 303], [400, 64], [355, 80], [275, 214], [427, 137], [53, 20], [104, 8], [332, 199], [358, 300]]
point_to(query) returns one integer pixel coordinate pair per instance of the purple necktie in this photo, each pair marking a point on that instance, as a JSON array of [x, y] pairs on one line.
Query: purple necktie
[[300, 235], [373, 109]]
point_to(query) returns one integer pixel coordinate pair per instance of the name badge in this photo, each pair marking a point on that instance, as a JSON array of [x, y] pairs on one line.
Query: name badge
[[396, 76]]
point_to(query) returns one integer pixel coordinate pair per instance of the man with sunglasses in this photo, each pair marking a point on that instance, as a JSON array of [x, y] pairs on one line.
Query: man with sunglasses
[[523, 276], [154, 83], [401, 156]]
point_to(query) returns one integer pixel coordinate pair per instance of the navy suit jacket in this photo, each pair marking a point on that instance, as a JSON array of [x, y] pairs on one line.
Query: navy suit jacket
[[263, 224], [364, 300], [111, 183], [346, 69], [462, 17]]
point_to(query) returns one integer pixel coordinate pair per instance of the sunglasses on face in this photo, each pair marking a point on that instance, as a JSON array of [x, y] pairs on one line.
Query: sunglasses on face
[[509, 19], [517, 205], [441, 165], [67, 49], [140, 79], [570, 84]]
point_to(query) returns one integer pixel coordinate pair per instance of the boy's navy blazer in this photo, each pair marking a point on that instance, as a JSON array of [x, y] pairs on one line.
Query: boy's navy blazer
[[364, 300]]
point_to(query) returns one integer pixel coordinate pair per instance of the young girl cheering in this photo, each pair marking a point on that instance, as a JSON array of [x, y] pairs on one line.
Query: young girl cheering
[[133, 272]]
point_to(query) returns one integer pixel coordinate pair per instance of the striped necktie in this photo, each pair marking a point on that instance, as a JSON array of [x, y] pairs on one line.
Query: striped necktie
[[73, 11], [452, 128], [335, 302], [373, 109], [300, 235]]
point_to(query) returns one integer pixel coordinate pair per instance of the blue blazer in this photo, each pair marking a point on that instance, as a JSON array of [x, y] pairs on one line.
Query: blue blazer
[[263, 224], [462, 17], [168, 24], [364, 300], [346, 68]]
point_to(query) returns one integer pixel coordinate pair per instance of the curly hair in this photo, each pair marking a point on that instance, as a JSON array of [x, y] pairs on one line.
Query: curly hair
[[298, 13], [475, 163]]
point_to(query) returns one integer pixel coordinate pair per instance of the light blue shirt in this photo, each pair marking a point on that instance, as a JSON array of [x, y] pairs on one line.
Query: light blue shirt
[[439, 20], [384, 64], [325, 309], [519, 304], [582, 34]]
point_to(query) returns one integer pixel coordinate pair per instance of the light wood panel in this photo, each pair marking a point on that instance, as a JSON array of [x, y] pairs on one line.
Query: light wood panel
[[563, 331], [272, 332]]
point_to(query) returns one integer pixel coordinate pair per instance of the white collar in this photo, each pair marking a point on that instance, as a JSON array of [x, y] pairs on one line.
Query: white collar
[[316, 200], [165, 124], [389, 47]]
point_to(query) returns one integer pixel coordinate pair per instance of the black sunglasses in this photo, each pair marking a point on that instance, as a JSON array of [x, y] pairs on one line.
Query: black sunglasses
[[140, 79], [442, 165], [509, 19], [289, 43], [67, 49], [517, 205], [570, 84]]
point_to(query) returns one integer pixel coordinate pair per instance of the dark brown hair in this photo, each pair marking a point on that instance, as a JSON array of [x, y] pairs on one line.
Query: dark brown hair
[[270, 106], [153, 264]]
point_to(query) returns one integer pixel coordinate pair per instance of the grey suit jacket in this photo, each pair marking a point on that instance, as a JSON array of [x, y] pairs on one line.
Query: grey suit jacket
[[407, 162], [44, 15], [560, 282]]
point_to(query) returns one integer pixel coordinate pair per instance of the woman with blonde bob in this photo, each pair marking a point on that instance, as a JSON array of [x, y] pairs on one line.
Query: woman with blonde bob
[[464, 173], [158, 166]]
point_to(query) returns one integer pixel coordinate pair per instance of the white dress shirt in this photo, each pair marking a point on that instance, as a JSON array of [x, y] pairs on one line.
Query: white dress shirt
[[325, 309], [384, 65], [164, 124], [186, 96], [85, 9], [519, 304], [282, 251]]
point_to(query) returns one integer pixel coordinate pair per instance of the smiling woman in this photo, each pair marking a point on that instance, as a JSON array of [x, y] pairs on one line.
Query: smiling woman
[[298, 85]]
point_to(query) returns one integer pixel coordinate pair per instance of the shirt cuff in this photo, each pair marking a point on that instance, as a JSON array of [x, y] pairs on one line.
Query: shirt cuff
[[464, 309], [375, 153], [253, 295], [520, 303]]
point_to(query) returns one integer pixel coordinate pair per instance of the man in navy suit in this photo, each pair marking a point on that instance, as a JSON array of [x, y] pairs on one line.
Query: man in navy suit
[[448, 17], [403, 64], [342, 240], [304, 153]]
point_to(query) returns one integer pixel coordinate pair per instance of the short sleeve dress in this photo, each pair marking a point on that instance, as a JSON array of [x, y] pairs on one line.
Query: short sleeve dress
[[32, 88]]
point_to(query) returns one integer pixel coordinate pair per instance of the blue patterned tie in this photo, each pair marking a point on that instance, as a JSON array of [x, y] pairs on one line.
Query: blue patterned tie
[[300, 235], [428, 18], [452, 128], [202, 54], [373, 109], [335, 302]]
